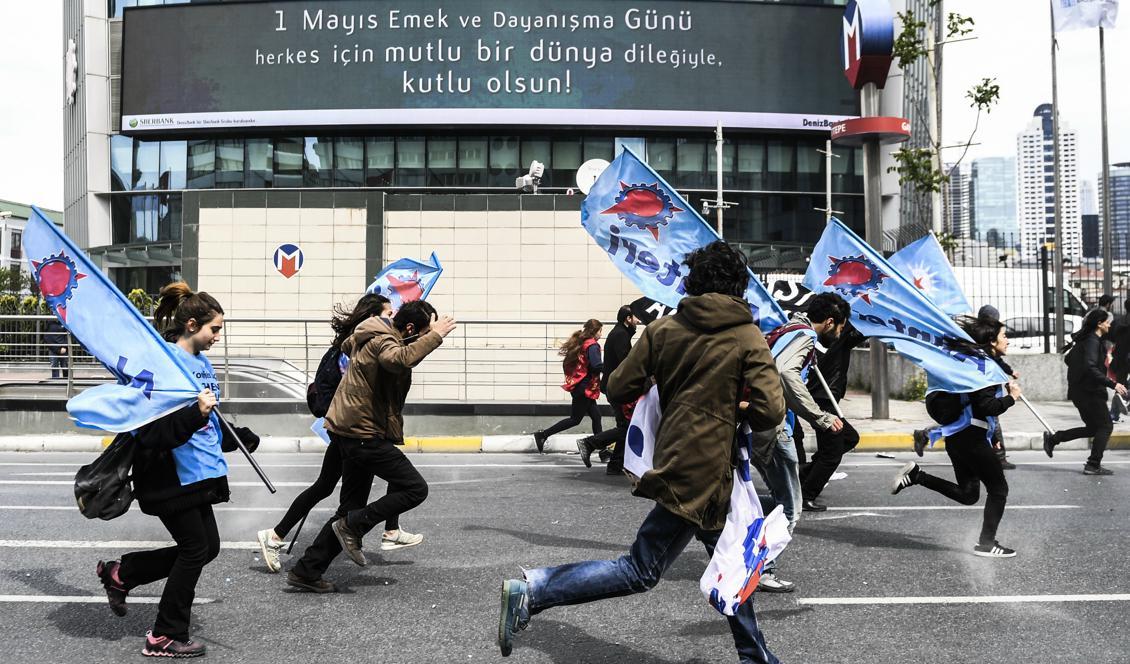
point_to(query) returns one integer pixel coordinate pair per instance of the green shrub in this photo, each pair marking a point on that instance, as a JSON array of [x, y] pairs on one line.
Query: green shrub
[[141, 301], [915, 388]]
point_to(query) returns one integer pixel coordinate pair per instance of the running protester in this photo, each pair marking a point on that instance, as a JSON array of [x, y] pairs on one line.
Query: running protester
[[615, 350], [582, 366], [1087, 383], [793, 346], [365, 420], [700, 358], [330, 370], [179, 472], [968, 421]]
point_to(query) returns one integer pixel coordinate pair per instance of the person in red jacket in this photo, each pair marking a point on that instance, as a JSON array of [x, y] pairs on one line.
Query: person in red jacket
[[582, 366]]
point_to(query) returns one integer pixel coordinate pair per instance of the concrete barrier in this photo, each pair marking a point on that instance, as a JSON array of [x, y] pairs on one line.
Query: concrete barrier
[[1043, 377]]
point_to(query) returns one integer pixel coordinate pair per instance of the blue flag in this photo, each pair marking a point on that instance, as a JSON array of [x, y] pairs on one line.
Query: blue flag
[[885, 305], [406, 280], [152, 381], [648, 229], [924, 264]]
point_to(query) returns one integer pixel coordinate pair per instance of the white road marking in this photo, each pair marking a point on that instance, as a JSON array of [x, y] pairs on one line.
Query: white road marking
[[915, 508], [836, 517], [73, 508], [86, 599], [972, 599], [112, 544], [533, 465]]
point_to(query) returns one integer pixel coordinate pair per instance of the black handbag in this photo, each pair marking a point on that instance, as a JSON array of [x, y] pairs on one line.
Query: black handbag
[[103, 488]]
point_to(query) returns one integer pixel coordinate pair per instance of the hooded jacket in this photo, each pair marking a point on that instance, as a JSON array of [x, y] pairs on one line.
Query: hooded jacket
[[370, 399], [1086, 369], [700, 359]]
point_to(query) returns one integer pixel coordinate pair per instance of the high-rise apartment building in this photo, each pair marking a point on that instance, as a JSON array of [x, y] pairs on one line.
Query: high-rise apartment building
[[1036, 200]]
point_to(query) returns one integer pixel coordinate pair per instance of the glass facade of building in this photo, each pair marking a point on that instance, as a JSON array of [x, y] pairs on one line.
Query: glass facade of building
[[993, 200]]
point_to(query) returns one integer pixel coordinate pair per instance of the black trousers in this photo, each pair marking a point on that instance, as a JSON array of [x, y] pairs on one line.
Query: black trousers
[[580, 407], [974, 462], [1096, 425], [830, 450], [197, 544], [361, 461], [617, 435], [319, 491]]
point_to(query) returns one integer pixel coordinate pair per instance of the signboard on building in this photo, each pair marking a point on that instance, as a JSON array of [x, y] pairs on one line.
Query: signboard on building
[[334, 63]]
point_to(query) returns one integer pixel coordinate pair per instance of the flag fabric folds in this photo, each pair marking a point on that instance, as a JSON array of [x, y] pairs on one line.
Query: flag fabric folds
[[887, 306], [924, 264], [648, 229], [152, 381], [1083, 14], [406, 280]]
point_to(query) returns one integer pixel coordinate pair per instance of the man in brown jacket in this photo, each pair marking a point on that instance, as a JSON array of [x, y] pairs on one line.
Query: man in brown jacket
[[365, 421], [700, 358]]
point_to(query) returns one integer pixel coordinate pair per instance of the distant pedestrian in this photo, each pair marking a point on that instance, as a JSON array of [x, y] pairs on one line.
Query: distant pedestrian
[[615, 350], [582, 366], [366, 421], [700, 358], [968, 421], [179, 472], [55, 338], [1087, 383], [1119, 338], [1106, 302]]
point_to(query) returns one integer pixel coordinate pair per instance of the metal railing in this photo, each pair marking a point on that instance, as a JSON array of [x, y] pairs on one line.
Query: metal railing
[[274, 359]]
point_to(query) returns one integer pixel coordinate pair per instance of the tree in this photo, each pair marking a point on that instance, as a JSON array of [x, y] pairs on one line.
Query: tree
[[14, 281], [141, 300], [921, 167]]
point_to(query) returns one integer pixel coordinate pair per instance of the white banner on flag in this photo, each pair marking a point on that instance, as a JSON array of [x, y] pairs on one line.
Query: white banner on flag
[[1082, 14]]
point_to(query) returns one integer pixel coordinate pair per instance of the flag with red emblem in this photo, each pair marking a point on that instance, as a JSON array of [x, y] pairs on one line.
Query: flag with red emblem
[[648, 229], [151, 380], [407, 280]]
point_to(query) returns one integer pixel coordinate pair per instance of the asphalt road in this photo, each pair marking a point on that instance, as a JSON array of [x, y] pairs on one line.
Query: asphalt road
[[916, 593]]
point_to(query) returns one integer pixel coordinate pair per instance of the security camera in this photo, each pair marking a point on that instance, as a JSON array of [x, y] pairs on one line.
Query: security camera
[[528, 184]]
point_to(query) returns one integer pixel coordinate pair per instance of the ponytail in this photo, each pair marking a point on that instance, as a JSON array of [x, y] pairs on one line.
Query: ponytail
[[177, 304]]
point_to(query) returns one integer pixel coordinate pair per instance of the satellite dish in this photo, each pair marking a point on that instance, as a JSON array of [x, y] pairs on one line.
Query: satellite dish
[[589, 172]]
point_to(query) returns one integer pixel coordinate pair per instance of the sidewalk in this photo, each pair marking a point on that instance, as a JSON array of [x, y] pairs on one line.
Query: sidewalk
[[1022, 431]]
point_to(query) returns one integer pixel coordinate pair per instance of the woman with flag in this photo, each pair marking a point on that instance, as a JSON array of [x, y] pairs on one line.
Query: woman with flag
[[582, 366], [968, 422], [326, 381], [179, 472]]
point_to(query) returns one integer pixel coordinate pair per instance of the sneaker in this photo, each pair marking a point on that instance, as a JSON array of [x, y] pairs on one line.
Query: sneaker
[[318, 585], [906, 476], [1049, 444], [515, 615], [166, 646], [402, 540], [921, 440], [270, 546], [584, 446], [116, 591], [1006, 464], [814, 506], [771, 583], [1089, 469], [994, 550], [539, 440], [604, 455], [350, 542]]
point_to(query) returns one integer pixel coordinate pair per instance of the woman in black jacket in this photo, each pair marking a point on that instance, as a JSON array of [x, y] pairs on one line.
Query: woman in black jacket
[[969, 424], [1087, 384], [179, 472]]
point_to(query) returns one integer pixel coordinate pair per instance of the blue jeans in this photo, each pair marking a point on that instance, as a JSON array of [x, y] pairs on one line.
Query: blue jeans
[[660, 540], [782, 476]]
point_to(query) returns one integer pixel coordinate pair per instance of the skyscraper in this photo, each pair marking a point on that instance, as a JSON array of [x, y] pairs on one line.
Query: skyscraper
[[1036, 186], [992, 185], [957, 204], [1119, 209]]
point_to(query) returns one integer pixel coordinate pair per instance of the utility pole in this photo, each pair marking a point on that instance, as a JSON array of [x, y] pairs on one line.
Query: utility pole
[[828, 155], [1060, 245], [1108, 240]]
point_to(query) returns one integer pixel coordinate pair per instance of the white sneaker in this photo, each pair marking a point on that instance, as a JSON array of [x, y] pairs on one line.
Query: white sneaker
[[270, 548], [771, 583], [402, 540]]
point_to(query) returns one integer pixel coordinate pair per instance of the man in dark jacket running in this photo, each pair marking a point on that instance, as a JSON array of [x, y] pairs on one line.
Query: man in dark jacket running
[[700, 358], [616, 348]]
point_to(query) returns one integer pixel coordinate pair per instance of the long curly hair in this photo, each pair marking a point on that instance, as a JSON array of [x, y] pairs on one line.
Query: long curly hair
[[344, 321], [571, 349]]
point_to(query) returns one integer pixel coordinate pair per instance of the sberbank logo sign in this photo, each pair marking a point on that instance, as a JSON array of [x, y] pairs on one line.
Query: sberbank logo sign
[[133, 123]]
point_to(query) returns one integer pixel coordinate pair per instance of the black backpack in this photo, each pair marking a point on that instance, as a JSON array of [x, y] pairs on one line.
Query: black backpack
[[329, 376], [102, 487], [944, 407]]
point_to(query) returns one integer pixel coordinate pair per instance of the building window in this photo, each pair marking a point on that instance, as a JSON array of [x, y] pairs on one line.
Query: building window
[[566, 159], [503, 161], [229, 163], [146, 165], [410, 162], [443, 162], [201, 164], [319, 160], [174, 158], [121, 163], [349, 162], [259, 162], [288, 162], [380, 159], [17, 252]]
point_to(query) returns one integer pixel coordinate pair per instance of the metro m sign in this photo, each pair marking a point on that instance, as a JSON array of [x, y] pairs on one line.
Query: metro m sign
[[868, 40]]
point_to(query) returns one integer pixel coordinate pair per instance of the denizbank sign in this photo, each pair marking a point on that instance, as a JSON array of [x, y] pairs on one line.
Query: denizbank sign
[[473, 62]]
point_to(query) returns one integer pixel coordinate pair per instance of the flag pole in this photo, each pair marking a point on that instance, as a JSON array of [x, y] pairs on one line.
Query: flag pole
[[1060, 245], [1037, 414], [1108, 256], [247, 453], [824, 384]]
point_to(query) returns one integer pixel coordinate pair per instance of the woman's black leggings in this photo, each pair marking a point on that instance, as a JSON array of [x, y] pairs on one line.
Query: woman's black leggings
[[1096, 425], [974, 462], [197, 544], [581, 407], [321, 489]]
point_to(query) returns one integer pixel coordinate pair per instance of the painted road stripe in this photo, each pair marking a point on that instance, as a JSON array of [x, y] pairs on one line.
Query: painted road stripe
[[87, 599], [63, 508], [915, 508], [859, 511], [112, 544], [535, 466], [973, 599]]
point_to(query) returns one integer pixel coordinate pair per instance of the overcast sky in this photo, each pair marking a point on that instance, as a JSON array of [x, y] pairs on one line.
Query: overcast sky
[[1013, 47]]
